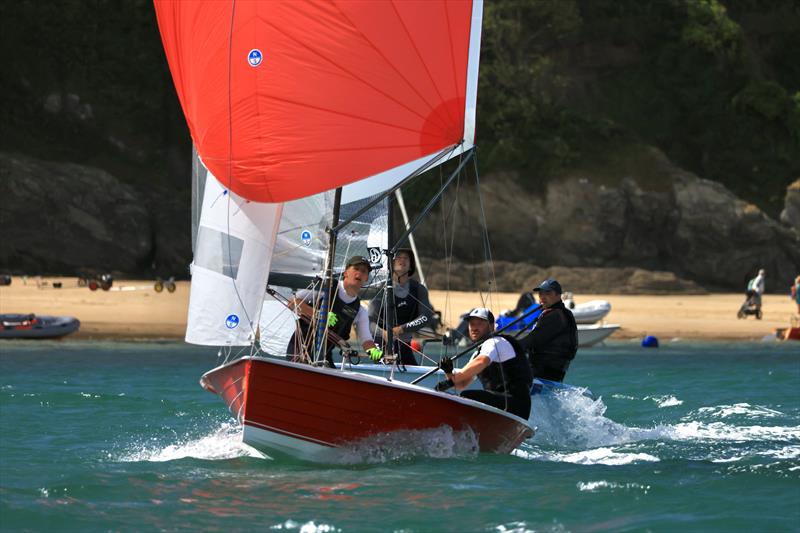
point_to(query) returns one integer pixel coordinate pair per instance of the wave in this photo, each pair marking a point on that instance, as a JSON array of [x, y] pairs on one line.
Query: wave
[[739, 409], [720, 431], [437, 443], [570, 428], [224, 442], [573, 428], [596, 456]]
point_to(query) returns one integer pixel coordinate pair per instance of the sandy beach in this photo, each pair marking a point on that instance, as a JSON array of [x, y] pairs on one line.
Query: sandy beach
[[132, 309]]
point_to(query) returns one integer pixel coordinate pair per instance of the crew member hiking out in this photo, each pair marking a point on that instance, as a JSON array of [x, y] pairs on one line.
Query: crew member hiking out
[[500, 365], [412, 307], [345, 312], [552, 344]]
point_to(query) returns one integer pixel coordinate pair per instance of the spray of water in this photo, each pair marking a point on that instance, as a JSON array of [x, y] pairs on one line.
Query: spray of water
[[438, 443], [573, 428], [223, 442]]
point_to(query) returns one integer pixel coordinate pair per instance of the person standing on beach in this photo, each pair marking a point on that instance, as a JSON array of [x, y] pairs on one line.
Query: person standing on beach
[[501, 367], [756, 287], [412, 307], [796, 293], [345, 312], [553, 343]]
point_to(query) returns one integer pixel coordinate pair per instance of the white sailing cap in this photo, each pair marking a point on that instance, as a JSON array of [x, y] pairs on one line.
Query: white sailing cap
[[482, 312]]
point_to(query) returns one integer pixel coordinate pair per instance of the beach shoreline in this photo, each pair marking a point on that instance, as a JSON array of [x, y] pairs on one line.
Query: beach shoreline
[[133, 310]]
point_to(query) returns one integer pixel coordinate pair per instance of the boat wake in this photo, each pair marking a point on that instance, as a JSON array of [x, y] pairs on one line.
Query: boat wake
[[567, 418], [573, 428], [224, 442], [438, 443]]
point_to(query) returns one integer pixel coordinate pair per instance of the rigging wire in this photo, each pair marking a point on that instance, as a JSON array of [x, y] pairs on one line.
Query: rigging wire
[[487, 248]]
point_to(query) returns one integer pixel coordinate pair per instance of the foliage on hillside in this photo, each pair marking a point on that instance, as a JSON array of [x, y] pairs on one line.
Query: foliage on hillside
[[87, 82], [717, 89], [565, 85]]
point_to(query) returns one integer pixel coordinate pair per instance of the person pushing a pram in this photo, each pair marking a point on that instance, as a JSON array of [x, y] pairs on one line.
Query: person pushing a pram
[[752, 302]]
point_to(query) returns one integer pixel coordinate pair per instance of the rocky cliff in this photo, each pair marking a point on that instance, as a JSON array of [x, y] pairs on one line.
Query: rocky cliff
[[64, 218], [690, 235], [95, 154], [692, 227]]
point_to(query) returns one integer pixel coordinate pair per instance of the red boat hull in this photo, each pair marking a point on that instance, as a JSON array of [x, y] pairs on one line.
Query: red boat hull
[[302, 410]]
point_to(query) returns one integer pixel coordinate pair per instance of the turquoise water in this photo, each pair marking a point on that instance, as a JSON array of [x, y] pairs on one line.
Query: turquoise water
[[691, 437]]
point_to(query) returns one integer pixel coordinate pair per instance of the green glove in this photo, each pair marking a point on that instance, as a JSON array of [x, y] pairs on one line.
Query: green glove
[[332, 319], [375, 354]]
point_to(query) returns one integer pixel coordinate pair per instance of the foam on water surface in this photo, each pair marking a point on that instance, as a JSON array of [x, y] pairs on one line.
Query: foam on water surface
[[573, 428], [438, 443], [223, 442]]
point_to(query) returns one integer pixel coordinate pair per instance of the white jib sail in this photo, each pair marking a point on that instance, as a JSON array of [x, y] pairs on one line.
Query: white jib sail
[[235, 242], [301, 246]]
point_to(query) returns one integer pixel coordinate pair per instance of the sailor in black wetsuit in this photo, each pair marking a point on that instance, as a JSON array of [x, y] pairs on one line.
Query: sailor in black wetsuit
[[345, 312], [552, 344], [502, 368], [412, 307]]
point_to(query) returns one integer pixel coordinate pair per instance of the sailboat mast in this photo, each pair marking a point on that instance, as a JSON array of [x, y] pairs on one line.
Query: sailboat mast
[[389, 322], [321, 338]]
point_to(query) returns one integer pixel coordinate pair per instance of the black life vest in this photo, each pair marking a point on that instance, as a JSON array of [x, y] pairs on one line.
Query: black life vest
[[405, 309], [512, 376], [552, 360], [346, 314]]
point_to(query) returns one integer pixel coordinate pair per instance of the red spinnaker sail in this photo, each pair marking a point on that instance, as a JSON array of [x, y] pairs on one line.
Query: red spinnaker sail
[[285, 99]]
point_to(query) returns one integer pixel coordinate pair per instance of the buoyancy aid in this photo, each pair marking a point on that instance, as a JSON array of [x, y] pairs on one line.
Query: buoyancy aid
[[512, 376], [551, 359], [406, 309], [346, 314]]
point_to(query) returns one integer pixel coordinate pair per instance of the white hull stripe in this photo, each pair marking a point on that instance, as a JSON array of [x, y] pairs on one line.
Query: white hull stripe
[[288, 433]]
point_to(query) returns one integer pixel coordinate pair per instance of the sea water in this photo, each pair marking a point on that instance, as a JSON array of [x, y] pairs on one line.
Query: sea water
[[686, 437]]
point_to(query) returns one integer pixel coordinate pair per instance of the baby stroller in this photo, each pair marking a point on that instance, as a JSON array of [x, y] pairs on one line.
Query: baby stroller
[[751, 305]]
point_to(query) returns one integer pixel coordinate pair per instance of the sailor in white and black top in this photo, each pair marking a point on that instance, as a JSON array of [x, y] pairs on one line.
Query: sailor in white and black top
[[499, 363], [345, 313]]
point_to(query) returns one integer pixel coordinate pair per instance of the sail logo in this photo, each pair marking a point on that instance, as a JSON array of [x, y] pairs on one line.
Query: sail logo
[[231, 321], [374, 256], [305, 237], [254, 57]]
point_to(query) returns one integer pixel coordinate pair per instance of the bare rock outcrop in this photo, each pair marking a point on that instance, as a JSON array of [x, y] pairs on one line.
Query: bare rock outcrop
[[694, 228], [791, 210], [505, 276], [62, 218]]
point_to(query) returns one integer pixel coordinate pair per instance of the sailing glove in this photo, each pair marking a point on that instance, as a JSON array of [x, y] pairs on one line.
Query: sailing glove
[[446, 364], [375, 354], [332, 319], [444, 385]]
